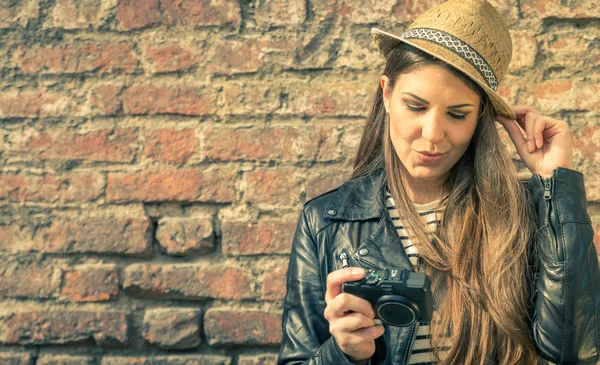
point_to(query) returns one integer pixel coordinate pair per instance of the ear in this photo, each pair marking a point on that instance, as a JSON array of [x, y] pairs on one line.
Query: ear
[[384, 82]]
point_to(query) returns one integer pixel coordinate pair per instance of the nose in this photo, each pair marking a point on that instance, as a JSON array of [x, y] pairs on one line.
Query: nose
[[432, 128]]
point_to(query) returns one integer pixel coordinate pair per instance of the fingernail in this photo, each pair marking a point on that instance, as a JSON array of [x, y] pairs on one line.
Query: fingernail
[[530, 146], [357, 271], [378, 322]]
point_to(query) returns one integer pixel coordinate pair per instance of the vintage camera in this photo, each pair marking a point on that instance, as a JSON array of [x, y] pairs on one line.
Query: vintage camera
[[399, 297]]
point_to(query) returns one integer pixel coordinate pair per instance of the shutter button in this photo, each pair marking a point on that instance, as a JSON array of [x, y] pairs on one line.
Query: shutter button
[[363, 251], [332, 212]]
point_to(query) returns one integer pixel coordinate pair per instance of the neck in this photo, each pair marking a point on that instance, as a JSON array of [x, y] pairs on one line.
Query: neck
[[423, 192]]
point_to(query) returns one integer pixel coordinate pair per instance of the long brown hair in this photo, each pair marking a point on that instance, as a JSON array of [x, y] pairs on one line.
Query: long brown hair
[[478, 260]]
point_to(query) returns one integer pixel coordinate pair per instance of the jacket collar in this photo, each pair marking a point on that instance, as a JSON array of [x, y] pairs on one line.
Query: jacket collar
[[358, 199]]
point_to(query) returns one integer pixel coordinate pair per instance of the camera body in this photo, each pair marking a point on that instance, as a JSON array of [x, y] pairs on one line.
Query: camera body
[[399, 297]]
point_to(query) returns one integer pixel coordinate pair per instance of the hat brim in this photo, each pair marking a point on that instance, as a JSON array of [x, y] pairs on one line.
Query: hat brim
[[386, 42]]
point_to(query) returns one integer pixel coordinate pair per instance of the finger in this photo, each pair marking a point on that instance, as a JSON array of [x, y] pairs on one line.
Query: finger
[[522, 110], [352, 322], [538, 128], [344, 303], [514, 132], [336, 278], [360, 336], [530, 120]]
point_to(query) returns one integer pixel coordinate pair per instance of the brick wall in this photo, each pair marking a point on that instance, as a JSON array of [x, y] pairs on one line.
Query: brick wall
[[154, 157]]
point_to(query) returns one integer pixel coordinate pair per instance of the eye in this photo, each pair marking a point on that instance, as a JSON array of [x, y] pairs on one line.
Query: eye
[[458, 117], [415, 109]]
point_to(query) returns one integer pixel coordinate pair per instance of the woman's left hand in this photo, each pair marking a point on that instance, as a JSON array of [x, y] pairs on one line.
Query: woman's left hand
[[546, 143]]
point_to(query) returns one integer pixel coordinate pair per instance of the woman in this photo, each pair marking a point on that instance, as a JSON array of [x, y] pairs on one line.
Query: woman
[[513, 270]]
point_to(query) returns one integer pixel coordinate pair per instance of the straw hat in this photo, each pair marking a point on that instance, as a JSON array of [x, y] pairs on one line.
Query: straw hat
[[469, 35]]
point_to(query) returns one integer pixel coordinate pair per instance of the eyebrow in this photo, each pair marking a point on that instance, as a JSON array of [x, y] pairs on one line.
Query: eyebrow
[[426, 102]]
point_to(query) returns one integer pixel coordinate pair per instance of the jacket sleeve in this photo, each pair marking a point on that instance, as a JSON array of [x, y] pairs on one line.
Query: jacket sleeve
[[566, 322], [306, 338]]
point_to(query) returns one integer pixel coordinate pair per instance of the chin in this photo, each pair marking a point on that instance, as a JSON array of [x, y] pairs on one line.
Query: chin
[[426, 174]]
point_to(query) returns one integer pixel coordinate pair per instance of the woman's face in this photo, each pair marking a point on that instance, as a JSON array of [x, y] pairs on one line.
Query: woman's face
[[433, 115]]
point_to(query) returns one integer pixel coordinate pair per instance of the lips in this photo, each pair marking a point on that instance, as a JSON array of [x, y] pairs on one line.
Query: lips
[[430, 153], [429, 157]]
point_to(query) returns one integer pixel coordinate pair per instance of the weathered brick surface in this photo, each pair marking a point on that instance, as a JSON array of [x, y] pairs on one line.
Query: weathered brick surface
[[168, 360], [241, 327], [77, 58], [171, 185], [114, 145], [258, 360], [185, 236], [158, 99], [124, 236], [271, 187], [156, 155], [169, 145], [50, 359], [90, 283], [29, 279], [279, 143], [188, 281], [16, 358], [75, 187], [106, 328], [262, 237], [171, 328]]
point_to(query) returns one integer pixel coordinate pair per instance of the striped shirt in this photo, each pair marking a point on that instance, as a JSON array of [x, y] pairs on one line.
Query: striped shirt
[[431, 214]]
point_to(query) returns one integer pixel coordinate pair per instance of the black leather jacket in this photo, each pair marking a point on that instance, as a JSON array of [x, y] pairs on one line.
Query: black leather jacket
[[566, 321]]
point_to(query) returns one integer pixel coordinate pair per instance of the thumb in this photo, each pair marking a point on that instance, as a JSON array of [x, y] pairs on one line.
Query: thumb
[[514, 132]]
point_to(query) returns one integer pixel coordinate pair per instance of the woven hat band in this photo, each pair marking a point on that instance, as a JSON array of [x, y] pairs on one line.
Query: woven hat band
[[458, 47]]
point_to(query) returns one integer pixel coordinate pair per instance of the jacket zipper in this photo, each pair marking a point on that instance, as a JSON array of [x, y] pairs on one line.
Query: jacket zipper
[[551, 214], [346, 259]]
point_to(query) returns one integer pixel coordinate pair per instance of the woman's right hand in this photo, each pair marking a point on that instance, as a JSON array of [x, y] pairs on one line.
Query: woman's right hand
[[351, 319]]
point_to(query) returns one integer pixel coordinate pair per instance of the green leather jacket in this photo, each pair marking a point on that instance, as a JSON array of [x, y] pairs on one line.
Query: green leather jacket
[[566, 319]]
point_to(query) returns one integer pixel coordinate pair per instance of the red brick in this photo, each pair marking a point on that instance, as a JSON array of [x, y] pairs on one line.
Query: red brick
[[201, 12], [47, 359], [77, 14], [325, 99], [273, 287], [572, 53], [256, 238], [525, 48], [279, 12], [586, 144], [105, 99], [63, 327], [274, 143], [361, 12], [562, 9], [186, 281], [266, 359], [321, 182], [172, 328], [135, 14], [169, 145], [509, 93], [271, 187], [185, 236], [16, 358], [167, 359], [124, 236], [214, 185], [165, 100], [112, 145], [75, 187], [241, 327], [171, 57], [90, 283], [553, 96], [77, 58], [29, 280], [19, 13], [34, 104], [251, 98]]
